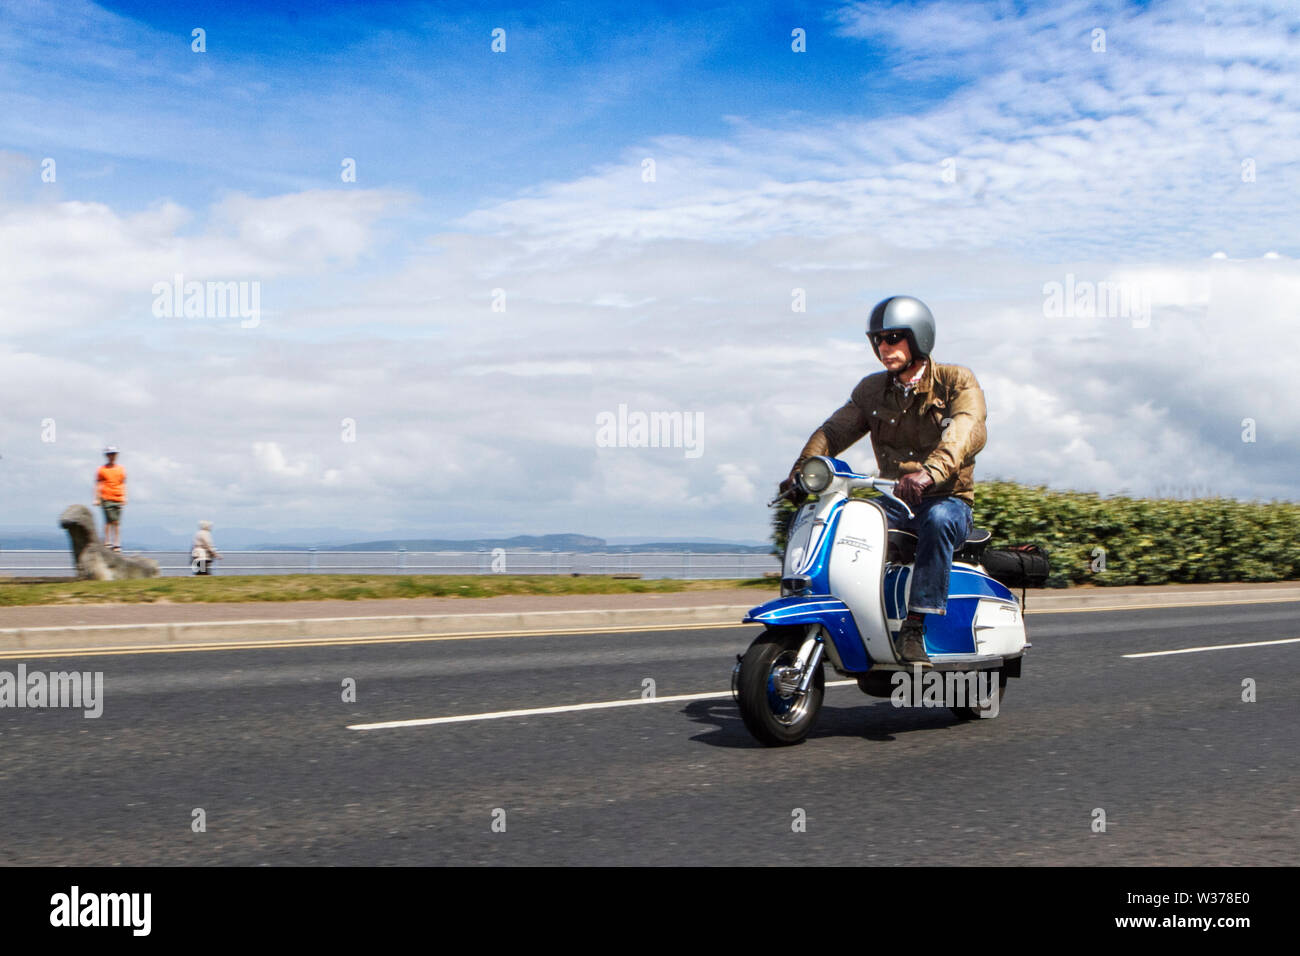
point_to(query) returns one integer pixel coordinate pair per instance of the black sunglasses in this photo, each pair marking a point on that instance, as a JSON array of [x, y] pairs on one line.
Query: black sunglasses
[[891, 338]]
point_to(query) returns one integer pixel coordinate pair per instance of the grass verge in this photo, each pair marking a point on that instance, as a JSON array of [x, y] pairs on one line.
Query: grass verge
[[341, 587]]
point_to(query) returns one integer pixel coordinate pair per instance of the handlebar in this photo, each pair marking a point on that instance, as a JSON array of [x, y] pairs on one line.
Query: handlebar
[[886, 487], [883, 485]]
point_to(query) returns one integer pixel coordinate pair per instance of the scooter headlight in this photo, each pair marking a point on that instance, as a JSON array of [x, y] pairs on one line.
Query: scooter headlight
[[815, 475]]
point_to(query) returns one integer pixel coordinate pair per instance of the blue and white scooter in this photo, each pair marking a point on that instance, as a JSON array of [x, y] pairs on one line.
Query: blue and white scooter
[[845, 587]]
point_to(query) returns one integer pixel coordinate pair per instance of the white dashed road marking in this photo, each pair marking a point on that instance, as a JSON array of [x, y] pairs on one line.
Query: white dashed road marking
[[1215, 647], [564, 709]]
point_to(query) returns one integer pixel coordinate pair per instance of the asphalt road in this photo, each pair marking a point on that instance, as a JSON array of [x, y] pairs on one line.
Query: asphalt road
[[1186, 772]]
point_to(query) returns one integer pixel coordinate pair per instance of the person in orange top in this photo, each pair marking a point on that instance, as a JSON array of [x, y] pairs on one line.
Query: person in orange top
[[110, 494]]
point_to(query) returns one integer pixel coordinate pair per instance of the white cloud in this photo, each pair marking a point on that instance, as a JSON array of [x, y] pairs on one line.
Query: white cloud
[[676, 296], [71, 264], [737, 485], [272, 460], [308, 229]]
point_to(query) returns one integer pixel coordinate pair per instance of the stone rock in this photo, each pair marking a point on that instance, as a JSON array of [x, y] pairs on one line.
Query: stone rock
[[95, 562]]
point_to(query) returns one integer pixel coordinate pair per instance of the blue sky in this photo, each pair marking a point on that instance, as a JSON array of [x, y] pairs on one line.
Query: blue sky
[[973, 154], [414, 93]]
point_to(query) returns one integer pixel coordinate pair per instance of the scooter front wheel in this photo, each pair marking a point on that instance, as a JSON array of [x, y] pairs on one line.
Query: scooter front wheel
[[767, 689]]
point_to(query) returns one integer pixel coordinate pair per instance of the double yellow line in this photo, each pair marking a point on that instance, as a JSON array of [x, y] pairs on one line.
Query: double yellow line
[[31, 653], [128, 649]]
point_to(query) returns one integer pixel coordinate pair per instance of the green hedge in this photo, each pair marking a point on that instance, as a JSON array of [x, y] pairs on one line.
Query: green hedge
[[1146, 541]]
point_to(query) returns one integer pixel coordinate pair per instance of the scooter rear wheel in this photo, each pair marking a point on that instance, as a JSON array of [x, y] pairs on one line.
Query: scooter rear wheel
[[769, 704], [974, 713]]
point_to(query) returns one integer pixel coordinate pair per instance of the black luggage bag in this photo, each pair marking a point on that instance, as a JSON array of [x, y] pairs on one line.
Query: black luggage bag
[[1018, 566]]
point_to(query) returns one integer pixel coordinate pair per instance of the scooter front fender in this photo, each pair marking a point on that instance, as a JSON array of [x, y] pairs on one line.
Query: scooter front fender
[[830, 612]]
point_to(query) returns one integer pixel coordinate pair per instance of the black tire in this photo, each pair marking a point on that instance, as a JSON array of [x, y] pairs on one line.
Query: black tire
[[776, 719], [877, 683], [972, 713]]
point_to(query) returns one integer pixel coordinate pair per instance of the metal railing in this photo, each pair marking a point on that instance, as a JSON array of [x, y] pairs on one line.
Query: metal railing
[[649, 564]]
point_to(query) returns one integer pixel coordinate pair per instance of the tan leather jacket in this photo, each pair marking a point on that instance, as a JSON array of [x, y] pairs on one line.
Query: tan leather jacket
[[939, 426]]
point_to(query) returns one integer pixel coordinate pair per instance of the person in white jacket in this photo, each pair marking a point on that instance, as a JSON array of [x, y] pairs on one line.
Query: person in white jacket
[[203, 553]]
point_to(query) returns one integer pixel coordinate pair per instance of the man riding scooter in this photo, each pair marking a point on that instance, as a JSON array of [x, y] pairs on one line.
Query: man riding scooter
[[927, 424]]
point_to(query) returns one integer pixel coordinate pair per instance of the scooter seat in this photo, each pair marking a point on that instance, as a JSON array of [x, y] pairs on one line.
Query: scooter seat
[[973, 549], [901, 548]]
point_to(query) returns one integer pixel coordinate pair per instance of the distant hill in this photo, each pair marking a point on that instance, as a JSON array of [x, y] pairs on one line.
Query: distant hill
[[34, 542], [549, 542], [521, 542], [155, 538]]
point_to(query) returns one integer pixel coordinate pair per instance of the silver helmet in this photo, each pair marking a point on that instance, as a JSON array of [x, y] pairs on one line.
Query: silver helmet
[[902, 313]]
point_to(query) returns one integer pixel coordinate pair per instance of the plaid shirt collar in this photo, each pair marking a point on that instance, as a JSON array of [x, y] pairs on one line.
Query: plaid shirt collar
[[920, 383]]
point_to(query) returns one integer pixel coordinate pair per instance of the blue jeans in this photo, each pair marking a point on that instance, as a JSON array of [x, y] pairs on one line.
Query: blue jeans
[[941, 526]]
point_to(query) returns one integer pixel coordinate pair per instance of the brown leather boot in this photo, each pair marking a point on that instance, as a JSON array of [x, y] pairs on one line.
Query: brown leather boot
[[911, 642]]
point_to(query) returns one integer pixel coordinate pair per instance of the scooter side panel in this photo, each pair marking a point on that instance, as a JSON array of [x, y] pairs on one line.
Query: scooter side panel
[[856, 562], [970, 581], [983, 615], [954, 632], [897, 577], [999, 628], [999, 624]]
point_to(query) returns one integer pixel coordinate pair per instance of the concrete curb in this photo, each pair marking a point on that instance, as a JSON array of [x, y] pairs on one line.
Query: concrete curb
[[1050, 602], [253, 631]]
